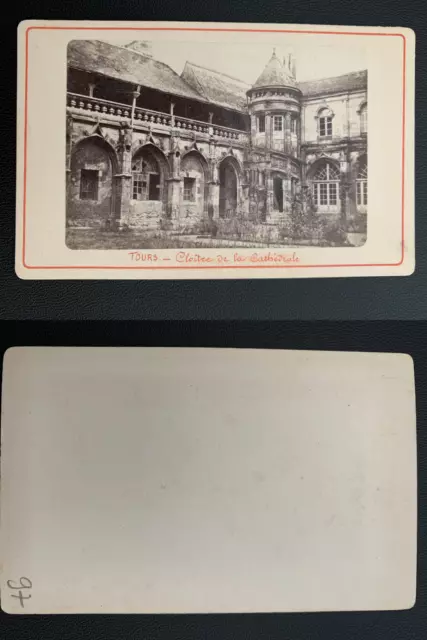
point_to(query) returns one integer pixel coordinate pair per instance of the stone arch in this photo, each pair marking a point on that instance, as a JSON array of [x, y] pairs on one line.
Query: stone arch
[[311, 170], [229, 176], [324, 179], [363, 103], [194, 181], [92, 190], [150, 170]]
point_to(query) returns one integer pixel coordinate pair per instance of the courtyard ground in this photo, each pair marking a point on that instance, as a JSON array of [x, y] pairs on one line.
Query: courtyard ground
[[132, 240]]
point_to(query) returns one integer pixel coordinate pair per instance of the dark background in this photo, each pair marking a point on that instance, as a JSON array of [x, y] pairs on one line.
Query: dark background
[[367, 308]]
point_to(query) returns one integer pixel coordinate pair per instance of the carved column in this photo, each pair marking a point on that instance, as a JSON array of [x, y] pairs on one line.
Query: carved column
[[253, 127], [345, 187], [288, 145], [122, 185], [174, 185], [213, 193], [268, 132], [287, 194], [269, 193]]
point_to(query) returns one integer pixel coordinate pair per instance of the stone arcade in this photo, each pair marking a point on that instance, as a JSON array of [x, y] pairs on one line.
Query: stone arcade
[[150, 149]]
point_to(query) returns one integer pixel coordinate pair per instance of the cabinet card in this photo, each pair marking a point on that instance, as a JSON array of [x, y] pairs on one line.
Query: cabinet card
[[142, 480], [202, 150]]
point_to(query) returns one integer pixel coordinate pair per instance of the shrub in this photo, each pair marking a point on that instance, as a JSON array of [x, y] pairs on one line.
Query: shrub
[[207, 226], [165, 224], [357, 224], [336, 235]]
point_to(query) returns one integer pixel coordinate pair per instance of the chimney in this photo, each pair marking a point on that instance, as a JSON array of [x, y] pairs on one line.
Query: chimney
[[140, 46]]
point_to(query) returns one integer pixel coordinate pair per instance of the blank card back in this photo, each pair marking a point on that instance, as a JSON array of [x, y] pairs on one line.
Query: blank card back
[[157, 480]]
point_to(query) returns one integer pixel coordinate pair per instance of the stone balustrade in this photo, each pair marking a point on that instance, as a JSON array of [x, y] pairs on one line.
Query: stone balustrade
[[115, 110]]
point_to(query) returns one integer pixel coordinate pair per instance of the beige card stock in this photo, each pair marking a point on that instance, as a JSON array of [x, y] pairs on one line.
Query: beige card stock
[[138, 480], [177, 150]]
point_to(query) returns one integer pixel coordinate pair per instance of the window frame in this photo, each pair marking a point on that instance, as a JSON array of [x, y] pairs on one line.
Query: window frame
[[192, 191], [261, 119], [142, 179], [362, 186], [277, 118], [84, 194], [325, 189]]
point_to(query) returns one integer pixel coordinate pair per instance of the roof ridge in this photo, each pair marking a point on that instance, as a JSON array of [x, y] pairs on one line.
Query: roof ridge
[[220, 73], [341, 75]]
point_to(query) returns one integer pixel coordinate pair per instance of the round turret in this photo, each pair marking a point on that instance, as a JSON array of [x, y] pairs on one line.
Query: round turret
[[274, 103]]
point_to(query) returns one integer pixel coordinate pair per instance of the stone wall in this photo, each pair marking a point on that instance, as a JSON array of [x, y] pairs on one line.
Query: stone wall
[[346, 119]]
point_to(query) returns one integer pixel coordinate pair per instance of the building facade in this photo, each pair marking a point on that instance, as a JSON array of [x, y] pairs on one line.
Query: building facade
[[149, 149]]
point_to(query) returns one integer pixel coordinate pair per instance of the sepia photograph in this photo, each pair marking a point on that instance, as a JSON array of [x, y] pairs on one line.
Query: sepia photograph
[[214, 150], [213, 144]]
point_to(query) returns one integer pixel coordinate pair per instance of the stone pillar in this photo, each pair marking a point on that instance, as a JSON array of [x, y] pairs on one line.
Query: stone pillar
[[299, 131], [174, 197], [253, 126], [172, 107], [122, 190], [213, 200], [92, 86], [122, 182], [174, 183], [246, 184], [269, 193], [287, 194], [288, 145], [268, 132], [347, 131], [345, 187]]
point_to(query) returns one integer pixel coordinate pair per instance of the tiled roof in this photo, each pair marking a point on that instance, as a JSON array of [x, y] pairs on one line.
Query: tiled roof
[[275, 74], [218, 88], [128, 65], [357, 80]]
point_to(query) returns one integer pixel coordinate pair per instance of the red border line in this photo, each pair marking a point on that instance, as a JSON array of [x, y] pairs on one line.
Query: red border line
[[222, 30]]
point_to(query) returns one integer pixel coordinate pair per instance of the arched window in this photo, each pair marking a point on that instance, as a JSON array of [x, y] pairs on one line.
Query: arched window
[[325, 117], [362, 185], [145, 177], [364, 118], [326, 187]]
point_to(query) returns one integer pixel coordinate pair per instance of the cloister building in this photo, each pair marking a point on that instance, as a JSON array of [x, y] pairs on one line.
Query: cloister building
[[146, 146]]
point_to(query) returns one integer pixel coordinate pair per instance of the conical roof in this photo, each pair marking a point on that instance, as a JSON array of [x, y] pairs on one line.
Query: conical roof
[[275, 75]]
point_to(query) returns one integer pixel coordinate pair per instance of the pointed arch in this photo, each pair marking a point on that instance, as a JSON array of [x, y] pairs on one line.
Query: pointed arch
[[97, 139], [324, 176], [92, 190], [150, 170], [235, 163], [198, 156], [195, 180], [229, 172]]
